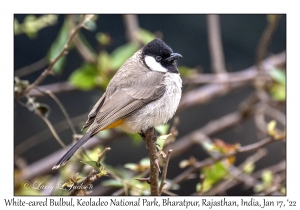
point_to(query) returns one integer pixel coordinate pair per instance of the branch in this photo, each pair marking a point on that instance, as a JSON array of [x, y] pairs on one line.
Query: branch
[[149, 136], [48, 71], [242, 78], [199, 165], [266, 38], [86, 53], [215, 44], [213, 127], [54, 88], [132, 27]]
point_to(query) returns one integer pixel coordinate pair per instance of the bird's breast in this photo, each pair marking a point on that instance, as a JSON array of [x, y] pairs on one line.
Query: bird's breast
[[158, 111]]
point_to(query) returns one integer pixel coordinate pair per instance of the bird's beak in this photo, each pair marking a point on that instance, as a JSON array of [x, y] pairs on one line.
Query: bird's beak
[[173, 57]]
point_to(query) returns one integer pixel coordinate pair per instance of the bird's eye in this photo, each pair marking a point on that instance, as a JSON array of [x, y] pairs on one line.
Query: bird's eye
[[158, 58]]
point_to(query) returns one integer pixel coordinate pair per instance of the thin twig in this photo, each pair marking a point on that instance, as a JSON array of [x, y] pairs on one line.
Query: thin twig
[[19, 162], [164, 174], [167, 192], [50, 126], [103, 153], [31, 68], [57, 87], [215, 44], [266, 38], [61, 106], [44, 135]]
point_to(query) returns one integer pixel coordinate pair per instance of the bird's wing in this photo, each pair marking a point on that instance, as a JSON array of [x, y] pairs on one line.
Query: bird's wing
[[94, 111], [111, 109], [125, 101]]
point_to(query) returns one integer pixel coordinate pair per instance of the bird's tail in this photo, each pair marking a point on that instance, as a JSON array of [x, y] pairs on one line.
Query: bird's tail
[[71, 151]]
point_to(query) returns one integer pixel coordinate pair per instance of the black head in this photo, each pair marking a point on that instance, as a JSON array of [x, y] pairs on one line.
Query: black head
[[158, 56]]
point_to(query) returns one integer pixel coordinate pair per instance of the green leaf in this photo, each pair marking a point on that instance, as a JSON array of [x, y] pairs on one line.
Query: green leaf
[[186, 71], [272, 128], [184, 163], [198, 187], [91, 25], [267, 177], [258, 188], [136, 139], [131, 166], [58, 46], [209, 146], [278, 92], [145, 162], [206, 185], [103, 38], [160, 142], [103, 61], [213, 174], [283, 190], [142, 166], [84, 77], [249, 167], [216, 171], [163, 129], [278, 75], [91, 163], [92, 154], [17, 27], [29, 26], [121, 54]]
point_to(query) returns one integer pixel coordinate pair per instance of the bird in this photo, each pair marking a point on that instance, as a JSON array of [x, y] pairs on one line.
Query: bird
[[145, 92]]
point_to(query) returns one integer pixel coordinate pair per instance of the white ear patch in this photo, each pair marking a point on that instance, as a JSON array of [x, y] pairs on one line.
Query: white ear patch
[[153, 65]]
